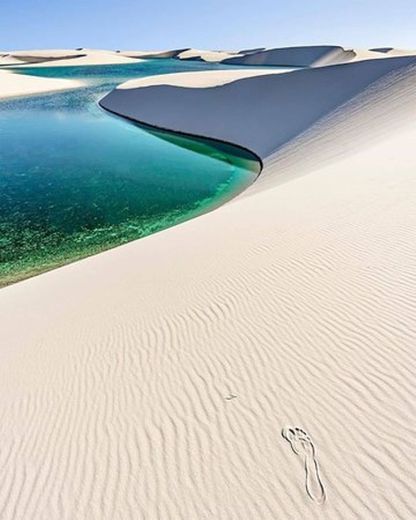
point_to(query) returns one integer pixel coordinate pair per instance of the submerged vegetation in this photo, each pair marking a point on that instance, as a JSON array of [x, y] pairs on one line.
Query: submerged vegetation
[[75, 181]]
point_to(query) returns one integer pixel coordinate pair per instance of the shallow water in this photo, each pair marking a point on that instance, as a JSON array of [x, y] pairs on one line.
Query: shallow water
[[75, 180]]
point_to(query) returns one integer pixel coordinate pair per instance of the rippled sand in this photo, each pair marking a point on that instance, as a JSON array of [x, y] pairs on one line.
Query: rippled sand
[[257, 362]]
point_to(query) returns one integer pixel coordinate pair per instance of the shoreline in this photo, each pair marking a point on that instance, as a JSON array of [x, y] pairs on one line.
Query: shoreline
[[81, 244], [20, 85]]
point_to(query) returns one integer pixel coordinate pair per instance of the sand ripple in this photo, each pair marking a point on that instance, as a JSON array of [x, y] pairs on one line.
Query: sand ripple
[[298, 298]]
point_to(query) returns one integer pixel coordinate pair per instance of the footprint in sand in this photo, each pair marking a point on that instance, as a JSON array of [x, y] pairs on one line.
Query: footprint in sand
[[302, 445]]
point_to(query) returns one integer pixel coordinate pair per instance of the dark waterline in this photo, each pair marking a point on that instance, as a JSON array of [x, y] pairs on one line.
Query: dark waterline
[[75, 180]]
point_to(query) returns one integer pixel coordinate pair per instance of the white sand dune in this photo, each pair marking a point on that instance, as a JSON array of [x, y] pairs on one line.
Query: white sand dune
[[249, 51], [202, 79], [257, 362], [34, 56], [206, 55], [14, 85], [62, 58], [307, 56], [390, 51], [9, 60], [153, 54], [39, 56], [310, 56], [303, 56], [283, 105]]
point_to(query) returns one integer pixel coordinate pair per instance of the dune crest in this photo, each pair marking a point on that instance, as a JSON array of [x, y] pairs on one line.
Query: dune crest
[[152, 55], [63, 58], [230, 112], [308, 56]]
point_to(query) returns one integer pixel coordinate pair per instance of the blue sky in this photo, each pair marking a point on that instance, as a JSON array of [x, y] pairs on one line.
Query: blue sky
[[158, 24]]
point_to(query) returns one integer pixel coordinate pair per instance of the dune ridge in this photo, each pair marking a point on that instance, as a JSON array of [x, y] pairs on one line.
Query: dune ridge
[[307, 56], [200, 79], [63, 58], [255, 362], [152, 55], [229, 111], [302, 56], [15, 85], [206, 55]]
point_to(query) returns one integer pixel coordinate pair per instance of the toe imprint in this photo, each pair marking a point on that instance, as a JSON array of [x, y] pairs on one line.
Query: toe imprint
[[303, 446]]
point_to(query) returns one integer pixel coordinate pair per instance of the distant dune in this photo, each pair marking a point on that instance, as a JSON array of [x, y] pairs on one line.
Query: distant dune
[[250, 51], [62, 58], [13, 85], [39, 56], [295, 56], [201, 79], [153, 54]]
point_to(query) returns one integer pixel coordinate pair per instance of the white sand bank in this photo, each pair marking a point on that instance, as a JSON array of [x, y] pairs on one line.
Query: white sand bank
[[260, 113], [14, 85], [203, 79], [154, 380], [390, 51], [8, 60]]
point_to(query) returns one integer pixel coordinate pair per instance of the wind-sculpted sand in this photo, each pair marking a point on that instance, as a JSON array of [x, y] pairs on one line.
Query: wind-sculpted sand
[[307, 56], [283, 106], [39, 56], [257, 362]]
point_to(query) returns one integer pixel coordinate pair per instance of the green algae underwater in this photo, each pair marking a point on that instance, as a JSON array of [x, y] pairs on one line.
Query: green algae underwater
[[75, 180]]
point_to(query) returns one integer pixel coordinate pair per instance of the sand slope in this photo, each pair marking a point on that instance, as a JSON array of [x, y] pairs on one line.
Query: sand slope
[[13, 85], [40, 56], [259, 113], [206, 55], [153, 54], [200, 79], [62, 58], [307, 56], [165, 379]]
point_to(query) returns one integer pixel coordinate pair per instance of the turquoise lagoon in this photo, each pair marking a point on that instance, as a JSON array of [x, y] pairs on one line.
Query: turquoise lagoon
[[75, 180]]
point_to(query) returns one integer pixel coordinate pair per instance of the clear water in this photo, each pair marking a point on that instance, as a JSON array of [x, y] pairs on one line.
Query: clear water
[[75, 180]]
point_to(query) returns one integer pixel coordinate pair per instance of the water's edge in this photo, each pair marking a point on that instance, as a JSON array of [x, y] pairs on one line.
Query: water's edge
[[234, 157]]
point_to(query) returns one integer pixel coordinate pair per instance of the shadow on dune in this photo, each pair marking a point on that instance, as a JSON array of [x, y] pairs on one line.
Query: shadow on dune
[[259, 113], [45, 59], [383, 50], [295, 56]]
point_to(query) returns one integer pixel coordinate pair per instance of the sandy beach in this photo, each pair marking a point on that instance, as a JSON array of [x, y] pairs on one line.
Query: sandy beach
[[257, 362], [15, 85]]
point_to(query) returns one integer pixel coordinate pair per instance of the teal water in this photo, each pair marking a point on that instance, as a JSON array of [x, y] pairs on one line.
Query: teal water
[[75, 180]]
